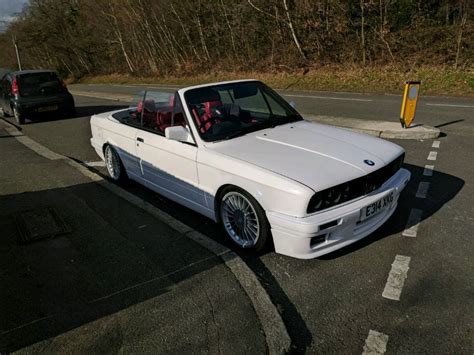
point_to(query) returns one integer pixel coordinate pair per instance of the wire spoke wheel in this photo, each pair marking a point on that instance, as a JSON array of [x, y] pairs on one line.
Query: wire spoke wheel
[[112, 163], [240, 219]]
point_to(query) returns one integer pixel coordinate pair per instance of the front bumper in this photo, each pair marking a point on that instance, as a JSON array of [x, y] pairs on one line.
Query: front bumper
[[327, 231]]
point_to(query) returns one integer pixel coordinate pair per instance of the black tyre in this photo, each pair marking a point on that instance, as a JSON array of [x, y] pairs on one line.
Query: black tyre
[[19, 118], [243, 219], [114, 165]]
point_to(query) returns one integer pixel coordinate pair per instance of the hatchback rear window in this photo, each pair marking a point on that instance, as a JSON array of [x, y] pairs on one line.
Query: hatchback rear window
[[39, 84]]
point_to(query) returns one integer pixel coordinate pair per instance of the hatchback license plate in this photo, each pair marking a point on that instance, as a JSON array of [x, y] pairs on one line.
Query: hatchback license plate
[[376, 207], [48, 108]]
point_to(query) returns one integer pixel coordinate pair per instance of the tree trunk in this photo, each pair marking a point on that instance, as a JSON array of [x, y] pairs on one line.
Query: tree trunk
[[362, 30], [292, 30]]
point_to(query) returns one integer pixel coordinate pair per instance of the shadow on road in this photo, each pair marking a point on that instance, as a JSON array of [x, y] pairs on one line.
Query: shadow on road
[[115, 256]]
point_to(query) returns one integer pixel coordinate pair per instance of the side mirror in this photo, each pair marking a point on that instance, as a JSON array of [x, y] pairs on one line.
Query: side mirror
[[292, 104], [179, 133]]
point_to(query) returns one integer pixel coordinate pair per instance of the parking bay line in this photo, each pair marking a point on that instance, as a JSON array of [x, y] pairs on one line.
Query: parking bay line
[[423, 188], [432, 155], [413, 222], [327, 97], [449, 105], [435, 144], [92, 164], [396, 278], [376, 343], [428, 170]]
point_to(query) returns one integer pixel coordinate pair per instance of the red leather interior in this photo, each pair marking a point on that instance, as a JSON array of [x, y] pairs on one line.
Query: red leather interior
[[208, 114], [159, 118]]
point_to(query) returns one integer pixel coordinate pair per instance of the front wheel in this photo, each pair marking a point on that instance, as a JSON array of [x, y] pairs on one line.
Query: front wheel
[[243, 219], [19, 118], [114, 164]]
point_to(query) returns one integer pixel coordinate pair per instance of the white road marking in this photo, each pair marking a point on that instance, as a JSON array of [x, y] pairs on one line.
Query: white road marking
[[436, 144], [413, 221], [423, 188], [396, 278], [328, 98], [432, 155], [142, 226], [449, 105], [428, 170], [94, 163], [376, 343]]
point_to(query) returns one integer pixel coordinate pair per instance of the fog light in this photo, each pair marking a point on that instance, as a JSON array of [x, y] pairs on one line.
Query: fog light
[[317, 240]]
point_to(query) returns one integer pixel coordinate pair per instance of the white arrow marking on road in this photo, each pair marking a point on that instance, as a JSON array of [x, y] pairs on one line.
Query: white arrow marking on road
[[396, 278], [428, 170], [423, 188], [328, 98], [413, 223], [432, 155], [376, 343]]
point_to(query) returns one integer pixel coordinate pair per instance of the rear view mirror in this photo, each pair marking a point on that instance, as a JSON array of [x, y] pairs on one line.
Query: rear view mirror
[[245, 90], [179, 133]]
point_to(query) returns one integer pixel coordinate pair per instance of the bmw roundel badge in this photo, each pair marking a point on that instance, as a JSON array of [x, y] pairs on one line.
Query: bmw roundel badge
[[369, 162]]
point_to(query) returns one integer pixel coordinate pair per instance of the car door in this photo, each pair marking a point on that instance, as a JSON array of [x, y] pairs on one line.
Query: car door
[[121, 134], [169, 167]]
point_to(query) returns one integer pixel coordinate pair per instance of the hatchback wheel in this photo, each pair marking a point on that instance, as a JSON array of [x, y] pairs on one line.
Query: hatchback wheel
[[19, 118], [114, 164], [243, 219]]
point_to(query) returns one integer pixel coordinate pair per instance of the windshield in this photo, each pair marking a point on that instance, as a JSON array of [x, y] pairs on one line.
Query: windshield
[[230, 110]]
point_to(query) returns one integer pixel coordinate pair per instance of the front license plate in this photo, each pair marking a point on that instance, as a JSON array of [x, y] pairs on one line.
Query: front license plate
[[376, 207], [48, 108]]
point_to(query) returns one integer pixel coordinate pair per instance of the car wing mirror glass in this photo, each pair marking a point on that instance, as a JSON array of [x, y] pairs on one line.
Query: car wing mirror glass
[[179, 133]]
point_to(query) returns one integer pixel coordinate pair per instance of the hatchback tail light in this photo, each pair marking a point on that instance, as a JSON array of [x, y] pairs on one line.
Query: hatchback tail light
[[15, 87]]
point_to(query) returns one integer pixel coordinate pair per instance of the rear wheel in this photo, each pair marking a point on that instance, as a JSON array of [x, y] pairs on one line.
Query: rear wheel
[[243, 219], [19, 118], [114, 164]]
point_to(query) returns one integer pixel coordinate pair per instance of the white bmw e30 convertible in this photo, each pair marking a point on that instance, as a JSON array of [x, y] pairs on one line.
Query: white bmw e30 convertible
[[238, 153]]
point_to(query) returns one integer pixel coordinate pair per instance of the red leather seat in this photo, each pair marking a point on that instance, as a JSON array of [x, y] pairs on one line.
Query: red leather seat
[[209, 113]]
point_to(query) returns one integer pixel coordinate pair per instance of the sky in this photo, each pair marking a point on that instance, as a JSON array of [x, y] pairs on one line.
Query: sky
[[8, 9]]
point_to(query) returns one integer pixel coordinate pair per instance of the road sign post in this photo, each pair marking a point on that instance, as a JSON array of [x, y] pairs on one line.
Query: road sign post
[[410, 99]]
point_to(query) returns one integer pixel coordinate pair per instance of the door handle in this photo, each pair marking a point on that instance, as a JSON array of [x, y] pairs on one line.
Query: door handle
[[140, 139]]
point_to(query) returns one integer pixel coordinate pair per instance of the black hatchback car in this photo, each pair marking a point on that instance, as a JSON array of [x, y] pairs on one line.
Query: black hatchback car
[[30, 93]]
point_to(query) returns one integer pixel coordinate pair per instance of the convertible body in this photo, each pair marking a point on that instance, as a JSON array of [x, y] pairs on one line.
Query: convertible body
[[217, 149]]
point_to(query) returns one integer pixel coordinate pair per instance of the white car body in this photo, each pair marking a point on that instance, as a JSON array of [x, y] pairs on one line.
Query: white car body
[[281, 167]]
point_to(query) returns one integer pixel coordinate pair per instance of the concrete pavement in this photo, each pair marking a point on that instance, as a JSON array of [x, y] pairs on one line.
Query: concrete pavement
[[116, 279]]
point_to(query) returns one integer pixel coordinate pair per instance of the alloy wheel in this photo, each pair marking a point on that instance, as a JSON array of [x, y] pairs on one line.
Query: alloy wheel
[[240, 219]]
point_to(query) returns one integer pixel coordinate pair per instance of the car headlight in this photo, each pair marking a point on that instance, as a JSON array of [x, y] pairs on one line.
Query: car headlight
[[355, 188]]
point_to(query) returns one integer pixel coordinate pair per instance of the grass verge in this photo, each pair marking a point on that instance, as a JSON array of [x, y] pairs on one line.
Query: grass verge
[[435, 80]]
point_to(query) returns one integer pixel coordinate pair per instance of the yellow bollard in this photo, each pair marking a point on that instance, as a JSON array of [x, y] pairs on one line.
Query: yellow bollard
[[410, 99]]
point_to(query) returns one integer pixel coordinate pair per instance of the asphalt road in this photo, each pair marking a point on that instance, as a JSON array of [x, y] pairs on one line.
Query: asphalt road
[[330, 304]]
